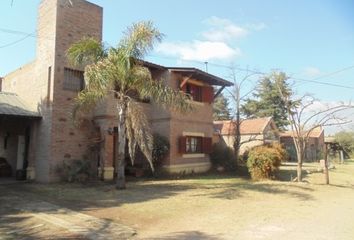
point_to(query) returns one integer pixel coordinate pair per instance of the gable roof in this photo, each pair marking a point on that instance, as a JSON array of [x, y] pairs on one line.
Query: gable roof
[[201, 75], [12, 105], [315, 133], [248, 126], [192, 73]]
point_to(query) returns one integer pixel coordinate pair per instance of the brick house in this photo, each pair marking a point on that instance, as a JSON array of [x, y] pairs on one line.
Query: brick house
[[314, 146], [254, 132], [48, 85]]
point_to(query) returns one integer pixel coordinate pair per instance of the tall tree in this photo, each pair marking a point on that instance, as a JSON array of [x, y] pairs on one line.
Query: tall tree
[[303, 120], [267, 102], [120, 71], [221, 110]]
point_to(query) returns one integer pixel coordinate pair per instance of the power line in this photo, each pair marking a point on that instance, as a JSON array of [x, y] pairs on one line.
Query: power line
[[263, 73], [333, 73], [16, 41], [27, 35]]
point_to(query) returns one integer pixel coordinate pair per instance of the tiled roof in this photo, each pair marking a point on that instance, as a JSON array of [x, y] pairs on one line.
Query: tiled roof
[[12, 105], [315, 133], [248, 126]]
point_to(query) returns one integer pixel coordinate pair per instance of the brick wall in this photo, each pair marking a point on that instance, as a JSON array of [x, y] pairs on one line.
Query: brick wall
[[82, 19]]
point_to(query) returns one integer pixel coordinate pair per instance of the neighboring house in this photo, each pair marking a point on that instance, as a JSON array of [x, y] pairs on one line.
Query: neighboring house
[[42, 138], [314, 146], [254, 132]]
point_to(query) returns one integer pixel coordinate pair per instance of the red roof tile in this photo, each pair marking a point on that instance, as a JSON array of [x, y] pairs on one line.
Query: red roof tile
[[248, 126], [315, 133]]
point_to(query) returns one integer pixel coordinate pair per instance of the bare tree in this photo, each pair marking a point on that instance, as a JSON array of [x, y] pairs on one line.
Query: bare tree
[[304, 117], [237, 97]]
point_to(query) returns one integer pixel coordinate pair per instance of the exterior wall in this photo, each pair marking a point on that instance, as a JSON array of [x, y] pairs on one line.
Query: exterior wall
[[69, 142], [257, 140], [314, 147], [199, 121], [169, 124], [253, 140], [59, 25]]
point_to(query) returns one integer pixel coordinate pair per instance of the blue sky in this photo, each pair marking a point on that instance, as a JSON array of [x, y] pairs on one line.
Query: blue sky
[[306, 39]]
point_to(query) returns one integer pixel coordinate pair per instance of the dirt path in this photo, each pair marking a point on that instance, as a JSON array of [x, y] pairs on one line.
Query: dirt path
[[22, 217], [209, 207]]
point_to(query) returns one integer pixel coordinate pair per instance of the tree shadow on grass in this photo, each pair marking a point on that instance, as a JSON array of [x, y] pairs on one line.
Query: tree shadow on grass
[[187, 235], [101, 195], [13, 225]]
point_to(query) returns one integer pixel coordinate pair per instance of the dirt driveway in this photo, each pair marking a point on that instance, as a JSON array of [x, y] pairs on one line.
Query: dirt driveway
[[217, 207]]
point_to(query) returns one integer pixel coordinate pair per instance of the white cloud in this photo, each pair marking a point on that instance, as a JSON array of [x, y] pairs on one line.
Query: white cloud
[[199, 50], [216, 43], [223, 30], [312, 72]]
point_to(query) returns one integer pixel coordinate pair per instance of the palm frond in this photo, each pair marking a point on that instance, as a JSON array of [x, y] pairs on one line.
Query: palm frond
[[138, 131], [139, 39], [86, 51], [158, 92], [98, 84]]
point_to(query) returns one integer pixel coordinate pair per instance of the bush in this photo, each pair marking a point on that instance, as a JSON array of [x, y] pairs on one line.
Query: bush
[[283, 154], [263, 161], [160, 150], [75, 171], [223, 156]]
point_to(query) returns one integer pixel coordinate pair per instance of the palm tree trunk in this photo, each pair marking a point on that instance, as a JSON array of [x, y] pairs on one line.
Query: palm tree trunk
[[120, 161]]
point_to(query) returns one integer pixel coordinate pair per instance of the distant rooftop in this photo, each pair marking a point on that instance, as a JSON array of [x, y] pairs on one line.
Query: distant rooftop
[[248, 126]]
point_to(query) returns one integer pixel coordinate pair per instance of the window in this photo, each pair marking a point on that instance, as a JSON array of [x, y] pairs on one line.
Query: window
[[199, 93], [195, 92], [194, 144], [73, 80]]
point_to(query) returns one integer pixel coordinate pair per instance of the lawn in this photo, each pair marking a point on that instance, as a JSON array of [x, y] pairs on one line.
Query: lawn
[[219, 206]]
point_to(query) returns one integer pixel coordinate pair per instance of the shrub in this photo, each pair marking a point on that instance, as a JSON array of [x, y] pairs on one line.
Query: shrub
[[223, 156], [160, 150], [263, 161], [75, 170], [283, 154]]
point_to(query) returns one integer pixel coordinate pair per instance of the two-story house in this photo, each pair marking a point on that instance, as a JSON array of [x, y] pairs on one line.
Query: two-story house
[[38, 134]]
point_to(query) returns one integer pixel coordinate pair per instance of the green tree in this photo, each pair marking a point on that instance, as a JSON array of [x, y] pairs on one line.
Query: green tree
[[221, 110], [346, 141], [267, 101], [120, 71]]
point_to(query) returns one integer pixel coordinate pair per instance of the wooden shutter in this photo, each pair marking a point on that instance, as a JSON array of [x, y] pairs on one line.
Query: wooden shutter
[[207, 145], [182, 144], [208, 94]]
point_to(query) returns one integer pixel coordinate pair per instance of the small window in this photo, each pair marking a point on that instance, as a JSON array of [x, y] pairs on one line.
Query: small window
[[73, 80], [195, 92], [194, 144]]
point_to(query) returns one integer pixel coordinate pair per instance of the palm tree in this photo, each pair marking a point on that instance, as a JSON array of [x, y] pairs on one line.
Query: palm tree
[[120, 70]]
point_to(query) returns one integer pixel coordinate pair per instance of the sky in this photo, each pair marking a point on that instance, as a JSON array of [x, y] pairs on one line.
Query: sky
[[309, 40]]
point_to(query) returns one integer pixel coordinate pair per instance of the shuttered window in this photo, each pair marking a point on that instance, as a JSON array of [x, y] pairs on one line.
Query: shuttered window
[[195, 92], [199, 93], [208, 94], [73, 80], [193, 144]]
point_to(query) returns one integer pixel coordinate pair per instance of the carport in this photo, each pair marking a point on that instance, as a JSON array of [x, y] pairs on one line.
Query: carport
[[17, 124]]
